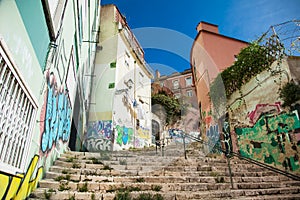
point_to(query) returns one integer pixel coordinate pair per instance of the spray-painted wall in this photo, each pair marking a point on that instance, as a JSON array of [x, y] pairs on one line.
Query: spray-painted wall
[[121, 90], [49, 72], [274, 139], [260, 127]]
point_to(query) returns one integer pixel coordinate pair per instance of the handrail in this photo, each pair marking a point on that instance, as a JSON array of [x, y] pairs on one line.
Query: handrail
[[292, 176]]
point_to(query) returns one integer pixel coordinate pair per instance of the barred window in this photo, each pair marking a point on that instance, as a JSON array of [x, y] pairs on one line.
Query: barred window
[[17, 113]]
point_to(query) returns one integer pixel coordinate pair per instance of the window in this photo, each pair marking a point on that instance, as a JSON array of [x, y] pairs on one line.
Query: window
[[188, 81], [17, 114], [111, 85], [189, 93], [175, 84], [162, 84]]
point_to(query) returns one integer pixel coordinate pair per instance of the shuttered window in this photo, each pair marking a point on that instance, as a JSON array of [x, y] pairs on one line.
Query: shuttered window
[[17, 113]]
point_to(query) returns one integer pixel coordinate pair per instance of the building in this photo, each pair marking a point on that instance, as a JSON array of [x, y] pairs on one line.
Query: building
[[46, 49], [180, 85], [120, 110], [211, 53]]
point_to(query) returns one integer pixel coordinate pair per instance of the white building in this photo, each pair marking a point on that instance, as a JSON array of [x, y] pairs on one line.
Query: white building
[[120, 109]]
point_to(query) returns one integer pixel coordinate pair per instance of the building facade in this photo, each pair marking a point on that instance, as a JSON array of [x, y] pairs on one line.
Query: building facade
[[211, 53], [120, 111], [181, 86], [180, 83], [44, 55]]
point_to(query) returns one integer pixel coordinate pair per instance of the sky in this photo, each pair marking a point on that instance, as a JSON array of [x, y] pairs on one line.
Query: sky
[[166, 28]]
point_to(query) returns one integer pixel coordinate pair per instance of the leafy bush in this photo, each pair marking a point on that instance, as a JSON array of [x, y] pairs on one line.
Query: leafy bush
[[290, 93]]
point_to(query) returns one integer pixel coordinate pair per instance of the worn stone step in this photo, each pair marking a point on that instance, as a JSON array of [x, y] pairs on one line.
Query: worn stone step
[[207, 195], [209, 184]]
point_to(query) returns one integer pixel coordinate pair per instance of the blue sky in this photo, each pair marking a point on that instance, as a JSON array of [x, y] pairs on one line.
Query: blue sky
[[166, 29]]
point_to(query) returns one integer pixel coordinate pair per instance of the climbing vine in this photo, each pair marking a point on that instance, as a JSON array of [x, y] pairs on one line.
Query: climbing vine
[[170, 104], [251, 61]]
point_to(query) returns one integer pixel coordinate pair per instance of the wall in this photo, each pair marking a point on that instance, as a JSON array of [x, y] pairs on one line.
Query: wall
[[211, 53], [115, 88], [261, 128], [51, 76]]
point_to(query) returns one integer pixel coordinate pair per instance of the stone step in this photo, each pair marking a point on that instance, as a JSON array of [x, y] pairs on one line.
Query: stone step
[[207, 183], [167, 179], [270, 194]]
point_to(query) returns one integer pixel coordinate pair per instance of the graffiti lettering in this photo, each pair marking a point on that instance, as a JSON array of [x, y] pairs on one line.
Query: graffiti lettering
[[263, 108], [99, 136], [103, 127], [98, 144], [55, 115], [20, 186]]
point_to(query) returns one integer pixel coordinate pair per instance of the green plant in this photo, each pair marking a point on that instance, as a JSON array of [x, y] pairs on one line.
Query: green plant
[[72, 197], [170, 104], [140, 180], [107, 167], [47, 194], [96, 161], [59, 178], [123, 162], [147, 196], [75, 165], [70, 159], [252, 60], [64, 171], [93, 197], [214, 173], [156, 188], [83, 188], [51, 190], [290, 93], [122, 196], [63, 186]]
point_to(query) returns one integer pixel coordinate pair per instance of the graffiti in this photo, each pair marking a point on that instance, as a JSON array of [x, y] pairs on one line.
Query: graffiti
[[212, 134], [143, 133], [274, 139], [99, 136], [124, 135], [21, 185], [55, 115], [98, 143], [103, 127], [263, 108], [225, 137]]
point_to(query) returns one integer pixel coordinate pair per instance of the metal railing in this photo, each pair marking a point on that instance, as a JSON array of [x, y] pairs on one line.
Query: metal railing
[[231, 154]]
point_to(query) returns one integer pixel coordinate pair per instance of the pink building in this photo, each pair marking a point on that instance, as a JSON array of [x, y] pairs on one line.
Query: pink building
[[211, 53]]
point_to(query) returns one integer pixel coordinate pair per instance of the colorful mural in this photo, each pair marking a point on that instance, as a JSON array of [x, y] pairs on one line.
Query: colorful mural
[[99, 136], [21, 185], [274, 140], [55, 119], [124, 135]]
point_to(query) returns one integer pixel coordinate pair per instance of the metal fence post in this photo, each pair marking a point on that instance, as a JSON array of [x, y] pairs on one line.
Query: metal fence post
[[230, 174], [183, 137]]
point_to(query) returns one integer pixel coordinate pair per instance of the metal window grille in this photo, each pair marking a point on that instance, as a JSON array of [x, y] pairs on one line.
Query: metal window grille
[[17, 113]]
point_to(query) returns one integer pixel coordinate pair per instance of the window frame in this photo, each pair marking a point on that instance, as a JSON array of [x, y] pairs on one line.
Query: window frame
[[24, 110]]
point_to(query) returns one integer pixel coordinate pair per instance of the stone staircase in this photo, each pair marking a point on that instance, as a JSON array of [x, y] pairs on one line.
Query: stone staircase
[[143, 174]]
